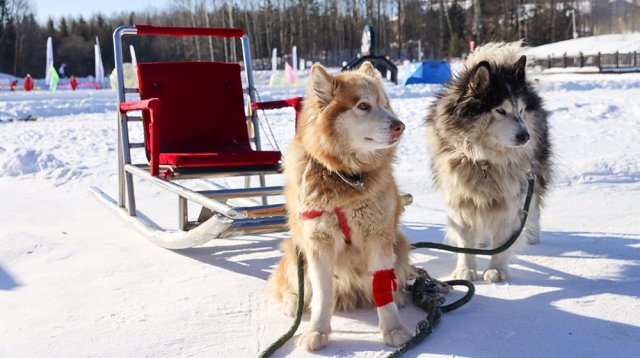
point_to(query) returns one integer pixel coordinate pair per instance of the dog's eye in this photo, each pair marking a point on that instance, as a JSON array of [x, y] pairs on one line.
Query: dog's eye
[[364, 106], [501, 111]]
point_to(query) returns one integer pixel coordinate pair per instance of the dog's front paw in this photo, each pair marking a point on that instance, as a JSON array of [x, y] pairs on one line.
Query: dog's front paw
[[465, 274], [495, 275], [313, 340], [396, 337]]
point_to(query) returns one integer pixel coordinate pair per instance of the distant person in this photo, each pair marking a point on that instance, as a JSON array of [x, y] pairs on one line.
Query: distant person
[[14, 85], [28, 83], [73, 82]]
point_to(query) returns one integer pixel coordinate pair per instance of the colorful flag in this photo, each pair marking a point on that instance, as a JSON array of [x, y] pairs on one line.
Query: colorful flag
[[274, 60], [99, 69], [134, 60], [54, 79], [49, 64], [294, 58], [289, 75]]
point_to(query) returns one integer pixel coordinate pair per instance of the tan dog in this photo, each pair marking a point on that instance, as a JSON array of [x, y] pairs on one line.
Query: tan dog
[[344, 206]]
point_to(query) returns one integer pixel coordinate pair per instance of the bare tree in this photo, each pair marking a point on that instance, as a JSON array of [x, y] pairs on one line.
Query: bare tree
[[189, 9], [328, 31], [206, 18], [476, 26], [19, 10]]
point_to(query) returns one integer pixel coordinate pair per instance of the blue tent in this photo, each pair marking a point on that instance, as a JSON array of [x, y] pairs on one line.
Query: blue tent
[[428, 72]]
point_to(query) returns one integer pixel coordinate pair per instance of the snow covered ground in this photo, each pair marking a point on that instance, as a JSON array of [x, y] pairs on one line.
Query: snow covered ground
[[76, 281]]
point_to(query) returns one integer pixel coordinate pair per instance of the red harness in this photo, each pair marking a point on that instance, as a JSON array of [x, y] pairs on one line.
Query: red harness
[[342, 221]]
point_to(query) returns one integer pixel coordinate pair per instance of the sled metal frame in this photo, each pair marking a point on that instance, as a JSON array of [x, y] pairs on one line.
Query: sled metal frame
[[222, 219]]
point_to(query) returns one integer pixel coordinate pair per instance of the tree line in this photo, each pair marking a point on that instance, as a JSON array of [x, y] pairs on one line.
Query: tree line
[[328, 31]]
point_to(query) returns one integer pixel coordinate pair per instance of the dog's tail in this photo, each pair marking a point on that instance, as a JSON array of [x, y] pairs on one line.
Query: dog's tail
[[497, 53]]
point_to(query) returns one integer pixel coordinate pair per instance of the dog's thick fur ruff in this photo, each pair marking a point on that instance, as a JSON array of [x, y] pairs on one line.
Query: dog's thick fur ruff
[[478, 136], [327, 143]]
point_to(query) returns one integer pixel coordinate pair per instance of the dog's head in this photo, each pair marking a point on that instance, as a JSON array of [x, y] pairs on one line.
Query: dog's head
[[493, 102], [348, 117]]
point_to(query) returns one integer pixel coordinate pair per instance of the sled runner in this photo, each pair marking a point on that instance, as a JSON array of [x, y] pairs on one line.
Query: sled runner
[[198, 122]]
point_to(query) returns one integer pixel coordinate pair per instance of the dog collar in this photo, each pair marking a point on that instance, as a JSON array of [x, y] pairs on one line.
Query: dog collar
[[355, 181]]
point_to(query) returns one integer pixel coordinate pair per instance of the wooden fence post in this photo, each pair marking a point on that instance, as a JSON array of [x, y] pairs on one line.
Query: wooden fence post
[[616, 57], [581, 60], [635, 59], [598, 60], [548, 61], [564, 60]]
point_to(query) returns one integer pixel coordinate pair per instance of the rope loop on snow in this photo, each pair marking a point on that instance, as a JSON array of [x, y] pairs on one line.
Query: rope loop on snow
[[429, 294]]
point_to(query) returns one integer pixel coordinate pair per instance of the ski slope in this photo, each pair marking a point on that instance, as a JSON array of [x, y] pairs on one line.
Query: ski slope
[[589, 45], [76, 281]]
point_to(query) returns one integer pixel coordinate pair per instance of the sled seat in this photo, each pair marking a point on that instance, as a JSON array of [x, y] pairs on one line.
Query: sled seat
[[241, 156], [194, 117]]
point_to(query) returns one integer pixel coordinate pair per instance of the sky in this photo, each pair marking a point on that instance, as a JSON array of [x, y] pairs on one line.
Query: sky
[[58, 8]]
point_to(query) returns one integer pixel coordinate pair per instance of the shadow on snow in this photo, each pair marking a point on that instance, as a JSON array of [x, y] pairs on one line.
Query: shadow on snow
[[489, 326], [6, 281]]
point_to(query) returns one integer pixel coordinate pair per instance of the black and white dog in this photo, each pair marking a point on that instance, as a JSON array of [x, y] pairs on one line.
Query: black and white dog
[[486, 130]]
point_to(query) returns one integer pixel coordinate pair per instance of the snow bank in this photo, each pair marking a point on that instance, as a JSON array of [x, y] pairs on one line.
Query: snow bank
[[590, 45], [35, 163]]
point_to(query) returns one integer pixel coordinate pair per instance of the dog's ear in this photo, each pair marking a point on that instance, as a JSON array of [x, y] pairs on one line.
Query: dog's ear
[[480, 77], [520, 68], [321, 84], [368, 69]]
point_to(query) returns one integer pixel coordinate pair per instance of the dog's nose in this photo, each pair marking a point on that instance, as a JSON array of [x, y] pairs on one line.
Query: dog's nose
[[522, 137], [397, 128]]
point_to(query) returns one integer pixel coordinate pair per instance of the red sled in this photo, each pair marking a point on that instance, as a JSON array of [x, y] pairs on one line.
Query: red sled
[[198, 122]]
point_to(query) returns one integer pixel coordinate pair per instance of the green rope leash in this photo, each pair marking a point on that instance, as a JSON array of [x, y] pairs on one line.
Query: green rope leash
[[432, 305], [294, 327], [464, 250]]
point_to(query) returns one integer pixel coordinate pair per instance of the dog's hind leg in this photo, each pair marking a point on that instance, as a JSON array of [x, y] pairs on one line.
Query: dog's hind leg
[[466, 264], [532, 228], [321, 261]]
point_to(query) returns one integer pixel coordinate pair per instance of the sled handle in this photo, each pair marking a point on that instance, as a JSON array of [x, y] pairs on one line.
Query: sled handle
[[189, 31]]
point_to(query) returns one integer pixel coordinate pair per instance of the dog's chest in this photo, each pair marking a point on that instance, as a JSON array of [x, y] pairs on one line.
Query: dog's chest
[[481, 185], [352, 223]]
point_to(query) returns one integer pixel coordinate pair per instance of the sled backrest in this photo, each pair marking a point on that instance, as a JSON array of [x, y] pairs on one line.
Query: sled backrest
[[202, 105]]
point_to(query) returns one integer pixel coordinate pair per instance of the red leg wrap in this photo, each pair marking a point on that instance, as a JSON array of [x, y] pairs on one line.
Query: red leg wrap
[[384, 284]]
